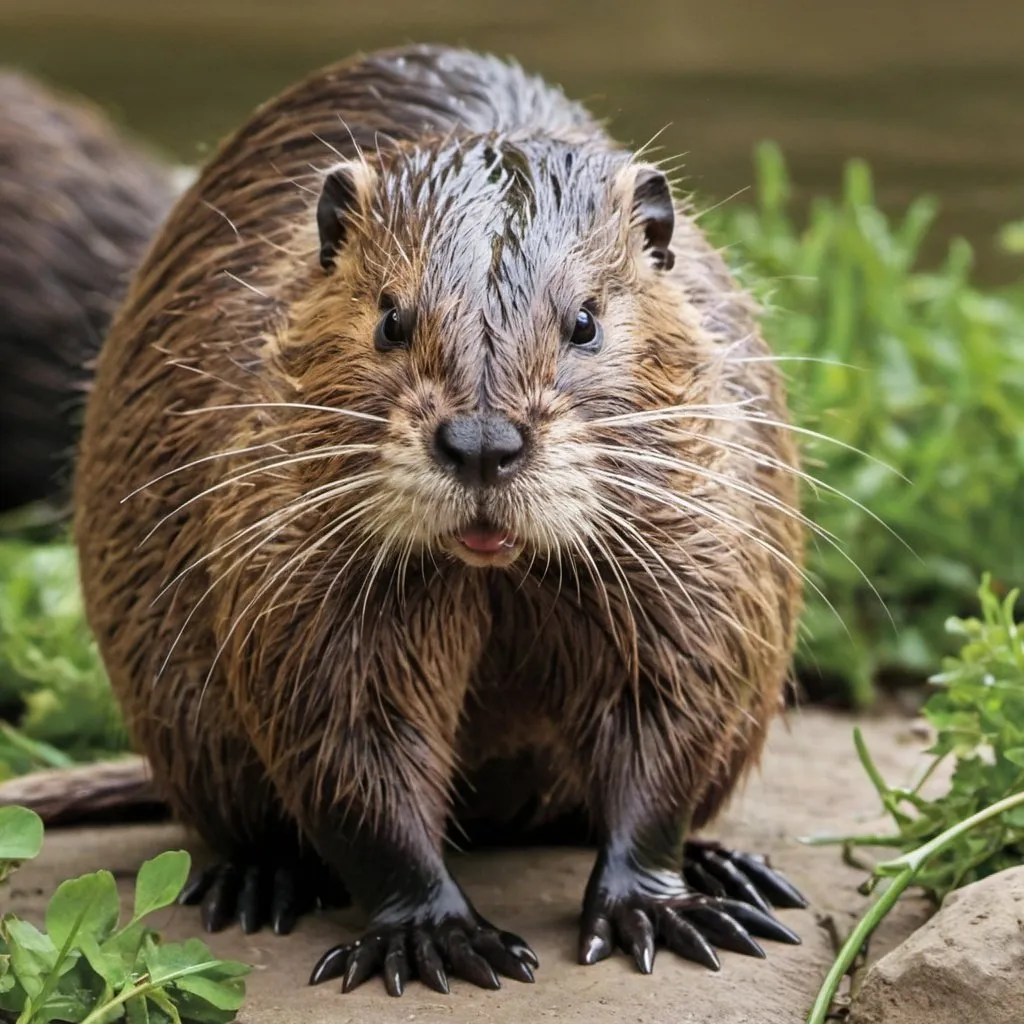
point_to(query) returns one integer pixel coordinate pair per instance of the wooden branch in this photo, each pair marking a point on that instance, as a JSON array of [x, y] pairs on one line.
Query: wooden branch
[[107, 790]]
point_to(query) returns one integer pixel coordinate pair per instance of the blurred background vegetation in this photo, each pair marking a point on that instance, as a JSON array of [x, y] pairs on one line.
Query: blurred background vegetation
[[883, 233]]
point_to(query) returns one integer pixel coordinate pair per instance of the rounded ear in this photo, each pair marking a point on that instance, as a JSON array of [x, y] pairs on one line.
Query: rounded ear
[[345, 187], [654, 213]]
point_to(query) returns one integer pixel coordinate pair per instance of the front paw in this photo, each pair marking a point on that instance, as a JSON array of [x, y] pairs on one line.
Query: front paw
[[638, 910], [255, 893], [430, 949]]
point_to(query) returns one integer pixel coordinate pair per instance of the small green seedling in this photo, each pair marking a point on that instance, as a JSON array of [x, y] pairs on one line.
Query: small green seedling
[[86, 967]]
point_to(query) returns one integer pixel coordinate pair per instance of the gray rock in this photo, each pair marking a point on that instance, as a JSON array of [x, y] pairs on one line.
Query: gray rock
[[964, 966]]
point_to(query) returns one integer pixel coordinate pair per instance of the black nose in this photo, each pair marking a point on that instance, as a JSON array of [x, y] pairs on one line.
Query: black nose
[[481, 450]]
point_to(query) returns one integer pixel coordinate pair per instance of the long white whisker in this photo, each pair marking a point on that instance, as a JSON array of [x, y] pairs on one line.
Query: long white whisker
[[683, 412], [775, 464], [623, 523], [761, 497], [300, 555], [632, 601], [684, 466], [671, 412], [291, 460], [214, 457], [307, 501], [245, 556], [672, 500], [334, 410]]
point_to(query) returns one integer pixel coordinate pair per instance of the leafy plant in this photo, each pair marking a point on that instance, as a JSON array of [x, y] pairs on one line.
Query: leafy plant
[[977, 713], [976, 827], [919, 370], [88, 968], [51, 676], [21, 839]]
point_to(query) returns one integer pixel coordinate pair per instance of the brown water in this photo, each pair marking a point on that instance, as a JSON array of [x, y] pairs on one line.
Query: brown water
[[931, 92]]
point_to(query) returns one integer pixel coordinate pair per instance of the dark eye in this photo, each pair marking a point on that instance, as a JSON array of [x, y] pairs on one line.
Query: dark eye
[[392, 328], [586, 331]]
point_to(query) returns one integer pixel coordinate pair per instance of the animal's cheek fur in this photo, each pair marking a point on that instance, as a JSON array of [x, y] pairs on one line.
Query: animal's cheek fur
[[553, 504], [421, 504]]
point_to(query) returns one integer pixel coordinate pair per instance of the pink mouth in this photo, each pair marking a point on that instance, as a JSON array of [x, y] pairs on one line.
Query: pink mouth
[[487, 542]]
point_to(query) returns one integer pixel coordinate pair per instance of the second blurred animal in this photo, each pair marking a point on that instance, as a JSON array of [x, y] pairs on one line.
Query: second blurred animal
[[78, 205]]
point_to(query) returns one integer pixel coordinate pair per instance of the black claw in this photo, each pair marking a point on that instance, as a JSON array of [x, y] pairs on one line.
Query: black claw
[[736, 880], [686, 941], [284, 908], [494, 950], [777, 888], [724, 931], [330, 965], [638, 935], [221, 900], [699, 878], [250, 900], [198, 886], [519, 949], [396, 965], [429, 968], [364, 961], [469, 964], [743, 876], [760, 923], [596, 941], [643, 954], [464, 945]]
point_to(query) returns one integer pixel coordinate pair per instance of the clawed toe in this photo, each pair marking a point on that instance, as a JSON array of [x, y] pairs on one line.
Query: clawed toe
[[255, 895], [474, 953], [712, 869], [691, 926]]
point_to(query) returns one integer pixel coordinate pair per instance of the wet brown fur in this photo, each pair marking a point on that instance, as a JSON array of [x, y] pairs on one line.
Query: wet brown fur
[[78, 204], [278, 674]]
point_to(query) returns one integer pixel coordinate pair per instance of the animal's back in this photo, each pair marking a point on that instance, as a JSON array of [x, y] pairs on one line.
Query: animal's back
[[78, 204]]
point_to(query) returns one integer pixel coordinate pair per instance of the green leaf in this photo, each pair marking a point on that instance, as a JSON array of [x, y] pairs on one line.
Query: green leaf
[[198, 1011], [63, 1006], [1015, 819], [33, 955], [87, 905], [115, 959], [79, 989], [1015, 755], [223, 995], [21, 833], [172, 960], [163, 1001], [205, 990], [160, 881], [137, 1010]]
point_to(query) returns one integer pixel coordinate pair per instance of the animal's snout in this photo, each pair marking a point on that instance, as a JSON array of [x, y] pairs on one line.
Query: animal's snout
[[482, 451]]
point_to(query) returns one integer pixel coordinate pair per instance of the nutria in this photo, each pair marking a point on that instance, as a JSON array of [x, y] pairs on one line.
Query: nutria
[[78, 203], [434, 471]]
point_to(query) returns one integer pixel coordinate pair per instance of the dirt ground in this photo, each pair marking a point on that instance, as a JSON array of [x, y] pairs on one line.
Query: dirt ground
[[811, 782]]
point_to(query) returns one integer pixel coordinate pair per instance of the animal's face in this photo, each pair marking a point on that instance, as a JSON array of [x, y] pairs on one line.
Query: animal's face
[[500, 305]]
